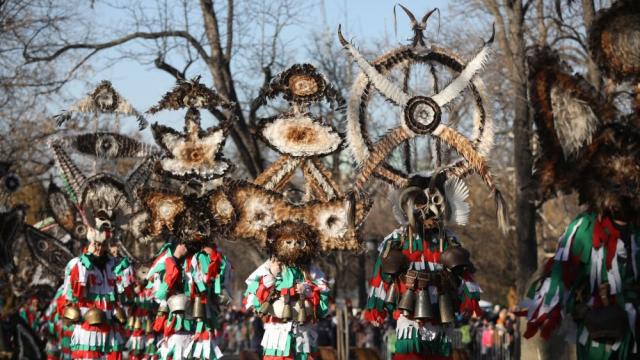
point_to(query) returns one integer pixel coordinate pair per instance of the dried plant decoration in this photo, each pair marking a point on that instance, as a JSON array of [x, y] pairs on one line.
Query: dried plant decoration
[[421, 115], [191, 94], [258, 210], [104, 99], [300, 137], [195, 154]]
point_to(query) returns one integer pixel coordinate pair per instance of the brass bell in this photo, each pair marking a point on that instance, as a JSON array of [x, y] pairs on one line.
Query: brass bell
[[148, 327], [130, 322], [423, 309], [445, 305], [137, 325], [407, 302], [286, 312], [265, 308], [120, 315], [71, 314], [393, 261], [94, 316], [392, 294], [302, 312], [199, 312]]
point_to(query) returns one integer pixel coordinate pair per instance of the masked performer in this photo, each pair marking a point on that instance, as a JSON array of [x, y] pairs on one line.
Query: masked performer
[[207, 273], [423, 276], [588, 147], [172, 322], [141, 342], [289, 292]]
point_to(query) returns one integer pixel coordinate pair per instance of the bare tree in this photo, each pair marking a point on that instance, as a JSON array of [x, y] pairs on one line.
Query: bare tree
[[177, 37]]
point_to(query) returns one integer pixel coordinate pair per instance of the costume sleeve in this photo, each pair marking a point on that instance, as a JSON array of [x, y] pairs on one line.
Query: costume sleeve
[[259, 285], [125, 278], [76, 278], [376, 308], [553, 293], [169, 281], [469, 295]]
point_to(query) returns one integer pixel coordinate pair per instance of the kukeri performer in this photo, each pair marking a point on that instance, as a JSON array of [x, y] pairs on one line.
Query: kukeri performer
[[208, 272], [141, 342], [170, 291], [588, 146], [289, 292], [423, 277]]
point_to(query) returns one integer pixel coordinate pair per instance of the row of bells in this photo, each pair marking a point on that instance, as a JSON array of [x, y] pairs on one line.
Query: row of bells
[[418, 304], [283, 310]]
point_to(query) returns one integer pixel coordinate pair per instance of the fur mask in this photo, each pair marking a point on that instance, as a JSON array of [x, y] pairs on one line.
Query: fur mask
[[292, 243]]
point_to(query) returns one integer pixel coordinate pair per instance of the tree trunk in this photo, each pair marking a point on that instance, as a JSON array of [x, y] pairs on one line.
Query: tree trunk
[[588, 15]]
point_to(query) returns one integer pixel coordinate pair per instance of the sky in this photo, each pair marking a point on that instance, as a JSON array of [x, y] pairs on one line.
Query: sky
[[363, 20]]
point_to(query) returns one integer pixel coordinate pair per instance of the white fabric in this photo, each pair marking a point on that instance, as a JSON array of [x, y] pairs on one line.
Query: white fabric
[[276, 335], [207, 349], [175, 344]]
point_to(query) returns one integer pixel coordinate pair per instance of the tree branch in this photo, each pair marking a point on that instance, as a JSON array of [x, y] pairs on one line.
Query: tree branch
[[162, 65], [109, 44], [227, 55]]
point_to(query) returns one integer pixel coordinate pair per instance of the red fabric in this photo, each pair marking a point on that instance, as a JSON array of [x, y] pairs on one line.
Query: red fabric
[[415, 356], [158, 324], [263, 292], [172, 274], [168, 329], [86, 354], [214, 265], [605, 234], [76, 287], [374, 315], [102, 328]]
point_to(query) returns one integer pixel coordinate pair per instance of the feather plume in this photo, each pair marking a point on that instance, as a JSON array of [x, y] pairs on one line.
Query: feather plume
[[390, 90], [456, 192], [462, 81], [568, 110]]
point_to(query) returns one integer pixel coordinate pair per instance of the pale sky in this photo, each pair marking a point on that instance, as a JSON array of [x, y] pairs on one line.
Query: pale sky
[[363, 21]]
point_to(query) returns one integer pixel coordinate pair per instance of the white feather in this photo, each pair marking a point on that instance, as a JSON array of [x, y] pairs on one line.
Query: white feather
[[455, 88], [485, 141], [456, 192], [355, 140], [575, 121], [386, 87]]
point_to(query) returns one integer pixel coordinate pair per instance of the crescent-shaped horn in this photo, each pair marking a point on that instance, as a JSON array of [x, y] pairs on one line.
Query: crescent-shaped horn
[[406, 200], [343, 41], [424, 19], [412, 17]]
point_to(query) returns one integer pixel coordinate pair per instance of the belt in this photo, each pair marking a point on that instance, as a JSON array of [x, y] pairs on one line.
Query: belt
[[420, 279]]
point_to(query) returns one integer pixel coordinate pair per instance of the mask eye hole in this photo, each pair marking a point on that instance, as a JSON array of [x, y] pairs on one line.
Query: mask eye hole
[[437, 199]]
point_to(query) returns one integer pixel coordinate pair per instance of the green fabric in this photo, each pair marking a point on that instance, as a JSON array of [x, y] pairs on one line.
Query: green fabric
[[441, 345]]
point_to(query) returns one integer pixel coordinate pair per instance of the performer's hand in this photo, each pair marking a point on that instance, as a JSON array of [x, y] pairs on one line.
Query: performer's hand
[[300, 288], [275, 268], [375, 323]]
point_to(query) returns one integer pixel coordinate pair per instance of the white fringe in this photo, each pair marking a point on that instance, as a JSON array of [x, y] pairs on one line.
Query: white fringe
[[203, 349], [174, 346], [276, 335], [325, 140], [284, 170]]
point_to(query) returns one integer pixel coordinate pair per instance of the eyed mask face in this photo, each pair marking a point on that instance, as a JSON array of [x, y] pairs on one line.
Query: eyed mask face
[[292, 243]]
